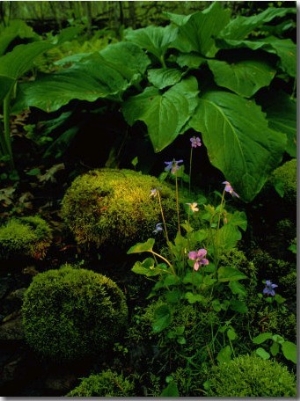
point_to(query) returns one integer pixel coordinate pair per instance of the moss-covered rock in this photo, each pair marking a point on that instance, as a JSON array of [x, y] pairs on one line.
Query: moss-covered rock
[[250, 376], [25, 236], [104, 384], [284, 179], [71, 314], [113, 207]]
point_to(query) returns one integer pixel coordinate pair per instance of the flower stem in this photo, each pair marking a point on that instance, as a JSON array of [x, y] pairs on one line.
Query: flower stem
[[190, 173], [177, 204]]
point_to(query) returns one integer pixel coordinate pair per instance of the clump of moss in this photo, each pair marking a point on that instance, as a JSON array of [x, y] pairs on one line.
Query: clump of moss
[[29, 236], [251, 376], [284, 178], [113, 207], [104, 384], [71, 314]]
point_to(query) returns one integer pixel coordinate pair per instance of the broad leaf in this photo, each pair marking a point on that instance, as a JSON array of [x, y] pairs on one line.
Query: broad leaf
[[126, 58], [171, 390], [16, 63], [262, 353], [224, 356], [285, 49], [162, 318], [92, 79], [282, 116], [228, 273], [146, 268], [244, 77], [289, 350], [191, 60], [261, 338], [240, 27], [200, 29], [238, 306], [237, 288], [142, 246], [163, 77], [227, 237], [100, 75], [166, 113], [238, 219], [154, 39], [239, 140], [16, 28]]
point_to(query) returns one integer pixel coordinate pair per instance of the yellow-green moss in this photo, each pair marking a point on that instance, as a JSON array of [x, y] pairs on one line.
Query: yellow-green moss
[[29, 236], [104, 384], [72, 314], [114, 207], [284, 178], [250, 376]]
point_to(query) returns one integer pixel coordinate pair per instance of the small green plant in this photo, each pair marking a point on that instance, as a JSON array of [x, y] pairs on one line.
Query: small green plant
[[27, 236], [73, 313], [250, 376], [278, 343], [191, 279], [104, 384]]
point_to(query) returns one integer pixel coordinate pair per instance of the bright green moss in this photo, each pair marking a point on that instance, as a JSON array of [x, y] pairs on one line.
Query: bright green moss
[[284, 178], [104, 384], [251, 376], [71, 314], [30, 236], [114, 207]]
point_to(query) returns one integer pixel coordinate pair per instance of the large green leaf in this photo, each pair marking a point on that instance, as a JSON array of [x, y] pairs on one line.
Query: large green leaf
[[154, 39], [17, 62], [16, 28], [100, 75], [243, 77], [238, 139], [126, 58], [285, 49], [240, 27], [166, 113], [282, 116], [163, 77], [200, 29]]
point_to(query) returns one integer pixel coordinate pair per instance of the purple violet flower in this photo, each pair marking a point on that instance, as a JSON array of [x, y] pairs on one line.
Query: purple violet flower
[[199, 258], [195, 142], [173, 166], [269, 288], [228, 188], [158, 228]]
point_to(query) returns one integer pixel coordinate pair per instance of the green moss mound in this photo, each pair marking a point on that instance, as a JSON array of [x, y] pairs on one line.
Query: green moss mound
[[251, 376], [104, 384], [114, 207], [284, 178], [29, 236], [71, 314]]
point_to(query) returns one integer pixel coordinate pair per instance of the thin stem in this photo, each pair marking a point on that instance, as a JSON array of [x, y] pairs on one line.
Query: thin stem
[[165, 260], [163, 216], [190, 173], [6, 123], [177, 204]]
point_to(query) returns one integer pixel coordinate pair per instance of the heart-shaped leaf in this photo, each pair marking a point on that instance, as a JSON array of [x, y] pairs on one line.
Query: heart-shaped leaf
[[166, 113], [238, 139]]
